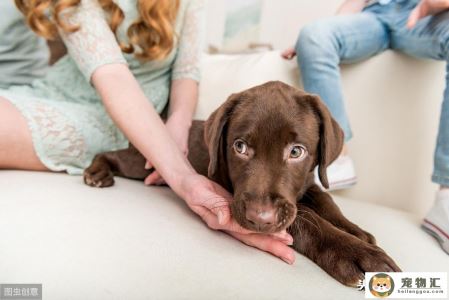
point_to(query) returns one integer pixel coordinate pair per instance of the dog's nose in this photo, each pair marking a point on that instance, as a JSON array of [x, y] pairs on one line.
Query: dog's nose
[[260, 214]]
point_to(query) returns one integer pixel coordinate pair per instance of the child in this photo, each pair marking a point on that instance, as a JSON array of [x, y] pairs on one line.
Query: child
[[366, 28]]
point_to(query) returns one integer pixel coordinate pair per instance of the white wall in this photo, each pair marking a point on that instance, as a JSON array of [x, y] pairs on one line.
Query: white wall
[[285, 15]]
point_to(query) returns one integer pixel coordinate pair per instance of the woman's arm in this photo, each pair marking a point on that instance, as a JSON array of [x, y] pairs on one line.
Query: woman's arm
[[182, 104], [183, 100], [136, 117]]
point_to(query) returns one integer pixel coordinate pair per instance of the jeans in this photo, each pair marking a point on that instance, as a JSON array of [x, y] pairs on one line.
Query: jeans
[[326, 43]]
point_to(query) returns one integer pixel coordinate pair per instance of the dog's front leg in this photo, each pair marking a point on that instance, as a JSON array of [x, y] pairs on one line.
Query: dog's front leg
[[127, 163], [323, 204], [340, 254]]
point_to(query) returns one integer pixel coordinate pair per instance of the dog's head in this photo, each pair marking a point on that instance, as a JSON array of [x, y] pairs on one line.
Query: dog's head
[[264, 144]]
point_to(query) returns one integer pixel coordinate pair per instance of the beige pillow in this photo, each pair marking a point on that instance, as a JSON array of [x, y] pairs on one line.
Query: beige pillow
[[223, 75]]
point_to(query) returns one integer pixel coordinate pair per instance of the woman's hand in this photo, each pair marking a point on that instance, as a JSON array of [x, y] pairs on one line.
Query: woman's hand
[[178, 126], [426, 8], [211, 202]]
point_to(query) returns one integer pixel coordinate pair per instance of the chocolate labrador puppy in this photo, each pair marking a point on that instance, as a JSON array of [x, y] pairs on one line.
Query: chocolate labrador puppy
[[262, 145]]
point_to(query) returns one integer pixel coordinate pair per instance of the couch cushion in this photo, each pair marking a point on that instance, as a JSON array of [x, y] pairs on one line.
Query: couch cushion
[[226, 74], [136, 242]]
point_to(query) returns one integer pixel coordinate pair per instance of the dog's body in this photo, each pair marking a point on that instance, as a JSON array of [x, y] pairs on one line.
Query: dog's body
[[262, 145]]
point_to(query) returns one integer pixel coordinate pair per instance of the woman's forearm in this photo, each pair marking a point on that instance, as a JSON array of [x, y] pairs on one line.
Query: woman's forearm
[[183, 100], [135, 116]]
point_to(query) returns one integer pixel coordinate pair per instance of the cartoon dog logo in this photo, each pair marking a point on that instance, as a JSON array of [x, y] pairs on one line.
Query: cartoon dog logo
[[381, 285]]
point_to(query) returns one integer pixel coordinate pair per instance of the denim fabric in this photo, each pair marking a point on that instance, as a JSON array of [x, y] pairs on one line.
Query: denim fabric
[[326, 43]]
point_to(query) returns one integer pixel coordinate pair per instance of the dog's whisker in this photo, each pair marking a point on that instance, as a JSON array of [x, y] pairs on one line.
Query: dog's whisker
[[315, 223]]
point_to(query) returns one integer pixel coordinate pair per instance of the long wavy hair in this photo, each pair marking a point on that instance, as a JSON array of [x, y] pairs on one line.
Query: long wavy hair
[[152, 33]]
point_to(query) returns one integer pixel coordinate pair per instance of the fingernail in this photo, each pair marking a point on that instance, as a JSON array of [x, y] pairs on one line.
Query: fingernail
[[220, 217]]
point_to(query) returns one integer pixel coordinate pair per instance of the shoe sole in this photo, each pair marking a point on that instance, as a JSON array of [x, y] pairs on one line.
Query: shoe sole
[[342, 184], [438, 233]]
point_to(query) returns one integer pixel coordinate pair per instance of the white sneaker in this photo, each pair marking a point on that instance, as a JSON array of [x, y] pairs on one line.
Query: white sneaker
[[340, 174], [436, 223]]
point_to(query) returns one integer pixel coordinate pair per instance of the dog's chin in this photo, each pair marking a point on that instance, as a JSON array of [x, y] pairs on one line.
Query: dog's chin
[[266, 229]]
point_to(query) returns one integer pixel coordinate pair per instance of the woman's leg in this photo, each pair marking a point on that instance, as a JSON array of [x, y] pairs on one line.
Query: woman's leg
[[16, 146], [324, 44]]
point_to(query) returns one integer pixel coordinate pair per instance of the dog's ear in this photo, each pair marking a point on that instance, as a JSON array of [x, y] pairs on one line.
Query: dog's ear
[[331, 137], [215, 130]]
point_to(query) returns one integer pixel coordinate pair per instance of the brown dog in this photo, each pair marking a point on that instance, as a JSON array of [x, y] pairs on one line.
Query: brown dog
[[262, 145]]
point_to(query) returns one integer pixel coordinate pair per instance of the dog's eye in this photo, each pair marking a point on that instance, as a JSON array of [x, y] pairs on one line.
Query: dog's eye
[[297, 152], [241, 147]]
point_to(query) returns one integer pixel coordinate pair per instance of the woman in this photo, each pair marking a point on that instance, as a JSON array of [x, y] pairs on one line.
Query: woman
[[122, 55]]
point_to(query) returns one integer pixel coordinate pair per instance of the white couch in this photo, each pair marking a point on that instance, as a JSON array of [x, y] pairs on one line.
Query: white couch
[[137, 242]]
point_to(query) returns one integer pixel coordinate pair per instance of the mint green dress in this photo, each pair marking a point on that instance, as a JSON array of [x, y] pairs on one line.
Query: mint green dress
[[66, 117]]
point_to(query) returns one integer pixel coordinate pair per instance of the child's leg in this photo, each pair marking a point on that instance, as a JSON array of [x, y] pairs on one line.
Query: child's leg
[[324, 44], [441, 157], [16, 146]]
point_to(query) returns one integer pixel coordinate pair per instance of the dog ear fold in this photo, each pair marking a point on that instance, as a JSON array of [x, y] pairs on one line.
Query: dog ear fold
[[215, 138], [331, 137]]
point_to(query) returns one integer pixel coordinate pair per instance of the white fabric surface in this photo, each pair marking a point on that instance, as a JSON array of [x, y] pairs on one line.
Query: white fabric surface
[[135, 242], [226, 74]]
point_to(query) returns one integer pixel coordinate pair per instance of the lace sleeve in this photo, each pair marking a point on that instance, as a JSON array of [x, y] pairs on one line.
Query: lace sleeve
[[94, 44], [187, 63]]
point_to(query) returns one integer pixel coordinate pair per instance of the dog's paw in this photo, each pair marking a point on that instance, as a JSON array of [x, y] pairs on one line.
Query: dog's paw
[[367, 237], [352, 263], [362, 235], [98, 175], [102, 178]]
